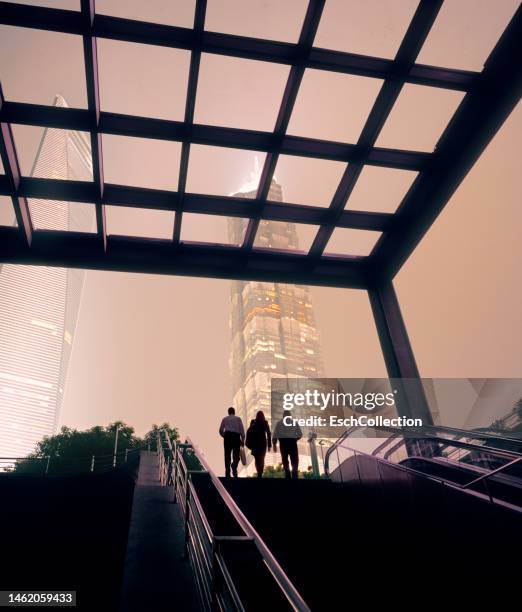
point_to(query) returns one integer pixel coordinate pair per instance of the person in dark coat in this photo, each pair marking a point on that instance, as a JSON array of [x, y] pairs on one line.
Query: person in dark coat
[[288, 436], [258, 439]]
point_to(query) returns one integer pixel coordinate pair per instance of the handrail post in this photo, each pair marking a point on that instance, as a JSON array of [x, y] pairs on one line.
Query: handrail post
[[169, 469], [175, 473], [488, 490], [214, 577], [161, 458], [47, 465], [114, 461], [187, 517], [92, 464], [126, 454], [382, 486], [357, 466]]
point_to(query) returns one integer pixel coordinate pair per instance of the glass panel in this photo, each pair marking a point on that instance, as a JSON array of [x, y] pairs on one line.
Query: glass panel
[[7, 213], [305, 180], [53, 153], [419, 117], [212, 228], [224, 171], [367, 27], [465, 33], [284, 236], [178, 13], [380, 189], [38, 64], [140, 222], [257, 18], [235, 92], [141, 162], [71, 5], [63, 216], [333, 106], [143, 80], [348, 241]]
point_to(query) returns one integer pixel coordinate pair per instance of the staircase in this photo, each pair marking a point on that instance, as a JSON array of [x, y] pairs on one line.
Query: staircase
[[156, 571]]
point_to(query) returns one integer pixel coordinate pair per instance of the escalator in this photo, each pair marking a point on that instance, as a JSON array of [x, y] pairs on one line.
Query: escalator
[[475, 463]]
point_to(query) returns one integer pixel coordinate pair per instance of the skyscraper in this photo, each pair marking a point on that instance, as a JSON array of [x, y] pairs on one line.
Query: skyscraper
[[273, 329], [39, 305]]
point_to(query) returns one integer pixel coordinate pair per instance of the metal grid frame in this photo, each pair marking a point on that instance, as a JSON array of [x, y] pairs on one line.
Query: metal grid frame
[[490, 97]]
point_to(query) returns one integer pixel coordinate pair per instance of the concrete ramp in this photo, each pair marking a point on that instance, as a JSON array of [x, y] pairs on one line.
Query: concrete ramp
[[156, 576]]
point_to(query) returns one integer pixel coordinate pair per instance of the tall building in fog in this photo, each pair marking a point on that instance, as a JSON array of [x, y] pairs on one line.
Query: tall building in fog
[[39, 305], [273, 329]]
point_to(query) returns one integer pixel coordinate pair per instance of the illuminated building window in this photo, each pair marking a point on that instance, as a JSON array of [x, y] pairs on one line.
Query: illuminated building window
[[44, 324], [24, 379]]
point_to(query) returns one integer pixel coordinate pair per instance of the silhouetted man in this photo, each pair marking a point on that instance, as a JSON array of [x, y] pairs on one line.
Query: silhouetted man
[[233, 433], [288, 435]]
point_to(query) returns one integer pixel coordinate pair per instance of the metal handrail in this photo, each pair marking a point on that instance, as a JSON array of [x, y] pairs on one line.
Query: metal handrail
[[396, 433], [473, 434], [177, 462], [495, 452], [93, 461], [440, 479], [478, 434], [496, 471], [500, 452], [276, 570]]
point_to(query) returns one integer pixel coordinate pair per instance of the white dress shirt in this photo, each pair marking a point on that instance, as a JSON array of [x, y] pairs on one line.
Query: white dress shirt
[[232, 423]]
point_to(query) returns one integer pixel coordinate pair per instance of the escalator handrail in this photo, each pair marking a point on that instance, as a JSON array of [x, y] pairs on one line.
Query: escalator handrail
[[496, 452], [471, 434], [496, 471], [474, 433], [396, 433], [468, 433], [335, 445], [385, 443]]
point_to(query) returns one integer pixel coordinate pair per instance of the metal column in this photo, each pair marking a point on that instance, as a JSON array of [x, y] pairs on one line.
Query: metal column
[[397, 351]]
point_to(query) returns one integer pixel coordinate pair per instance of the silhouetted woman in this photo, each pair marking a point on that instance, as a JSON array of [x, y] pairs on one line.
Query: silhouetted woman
[[258, 439]]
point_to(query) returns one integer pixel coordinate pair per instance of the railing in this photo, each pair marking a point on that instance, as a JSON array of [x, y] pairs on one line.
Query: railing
[[475, 434], [396, 438], [208, 553], [59, 466], [479, 485], [488, 443], [512, 445]]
